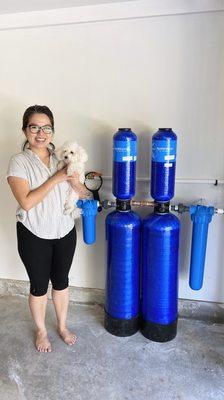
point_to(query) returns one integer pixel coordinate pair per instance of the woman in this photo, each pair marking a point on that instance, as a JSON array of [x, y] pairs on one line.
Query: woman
[[46, 237]]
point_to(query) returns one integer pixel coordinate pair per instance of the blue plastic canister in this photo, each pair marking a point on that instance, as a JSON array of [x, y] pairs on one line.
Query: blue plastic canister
[[201, 216], [89, 211], [164, 143], [124, 163]]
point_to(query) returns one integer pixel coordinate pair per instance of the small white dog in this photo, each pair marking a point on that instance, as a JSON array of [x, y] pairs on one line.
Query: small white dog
[[75, 157]]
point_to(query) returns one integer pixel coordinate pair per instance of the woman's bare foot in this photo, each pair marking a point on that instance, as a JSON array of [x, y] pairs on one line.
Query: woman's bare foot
[[68, 337], [42, 342]]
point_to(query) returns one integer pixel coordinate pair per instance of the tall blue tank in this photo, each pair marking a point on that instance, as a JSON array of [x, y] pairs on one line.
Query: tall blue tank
[[164, 143], [123, 271], [160, 243], [124, 163]]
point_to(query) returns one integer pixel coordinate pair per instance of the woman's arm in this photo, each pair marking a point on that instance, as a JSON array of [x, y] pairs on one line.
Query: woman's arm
[[27, 198]]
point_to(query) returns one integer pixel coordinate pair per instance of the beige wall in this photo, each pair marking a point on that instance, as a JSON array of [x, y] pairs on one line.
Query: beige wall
[[142, 73]]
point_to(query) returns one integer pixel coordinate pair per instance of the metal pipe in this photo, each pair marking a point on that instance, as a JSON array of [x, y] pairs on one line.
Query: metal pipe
[[180, 208], [135, 203], [142, 203]]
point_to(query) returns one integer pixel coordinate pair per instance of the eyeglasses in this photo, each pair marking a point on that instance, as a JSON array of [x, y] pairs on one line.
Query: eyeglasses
[[36, 129]]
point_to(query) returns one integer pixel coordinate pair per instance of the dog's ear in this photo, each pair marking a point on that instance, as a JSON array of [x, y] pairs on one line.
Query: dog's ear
[[83, 155], [58, 153]]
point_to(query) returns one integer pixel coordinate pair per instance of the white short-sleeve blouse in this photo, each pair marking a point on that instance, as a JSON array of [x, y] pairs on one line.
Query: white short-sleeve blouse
[[46, 220]]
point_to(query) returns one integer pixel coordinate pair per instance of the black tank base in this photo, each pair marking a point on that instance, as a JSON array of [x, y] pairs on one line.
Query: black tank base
[[121, 327], [158, 332]]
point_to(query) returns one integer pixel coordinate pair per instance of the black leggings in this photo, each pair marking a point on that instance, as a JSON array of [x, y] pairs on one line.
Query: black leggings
[[46, 259]]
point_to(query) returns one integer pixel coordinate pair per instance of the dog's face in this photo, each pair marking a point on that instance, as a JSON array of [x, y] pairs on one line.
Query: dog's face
[[71, 153]]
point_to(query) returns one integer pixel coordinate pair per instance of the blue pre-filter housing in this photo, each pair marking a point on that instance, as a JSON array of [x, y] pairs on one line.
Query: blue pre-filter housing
[[164, 143], [124, 163], [123, 273], [201, 216], [160, 245], [89, 212]]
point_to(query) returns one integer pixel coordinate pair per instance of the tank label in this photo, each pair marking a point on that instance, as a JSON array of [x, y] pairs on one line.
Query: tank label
[[125, 150], [164, 151]]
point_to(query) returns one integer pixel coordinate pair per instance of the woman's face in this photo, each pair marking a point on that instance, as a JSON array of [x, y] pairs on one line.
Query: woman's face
[[39, 138]]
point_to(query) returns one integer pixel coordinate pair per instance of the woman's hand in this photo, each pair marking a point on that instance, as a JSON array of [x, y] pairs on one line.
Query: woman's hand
[[74, 179], [61, 175], [78, 186]]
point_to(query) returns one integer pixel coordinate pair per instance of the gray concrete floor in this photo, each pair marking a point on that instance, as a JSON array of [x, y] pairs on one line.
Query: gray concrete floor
[[103, 367]]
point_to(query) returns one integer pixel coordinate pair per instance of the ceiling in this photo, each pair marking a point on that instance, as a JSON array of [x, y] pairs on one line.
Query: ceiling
[[15, 6]]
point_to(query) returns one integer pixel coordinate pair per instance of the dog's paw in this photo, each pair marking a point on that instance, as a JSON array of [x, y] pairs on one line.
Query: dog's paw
[[60, 165], [76, 213], [70, 169], [68, 210]]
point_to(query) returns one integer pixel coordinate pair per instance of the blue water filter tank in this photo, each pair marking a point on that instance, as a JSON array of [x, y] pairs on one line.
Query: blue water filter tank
[[124, 163], [201, 217], [123, 273], [163, 165], [89, 212], [160, 244]]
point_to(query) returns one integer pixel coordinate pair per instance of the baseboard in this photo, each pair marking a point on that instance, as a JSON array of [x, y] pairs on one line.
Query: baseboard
[[76, 294], [192, 309]]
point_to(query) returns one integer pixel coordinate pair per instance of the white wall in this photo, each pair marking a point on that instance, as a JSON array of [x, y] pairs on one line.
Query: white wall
[[142, 73]]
